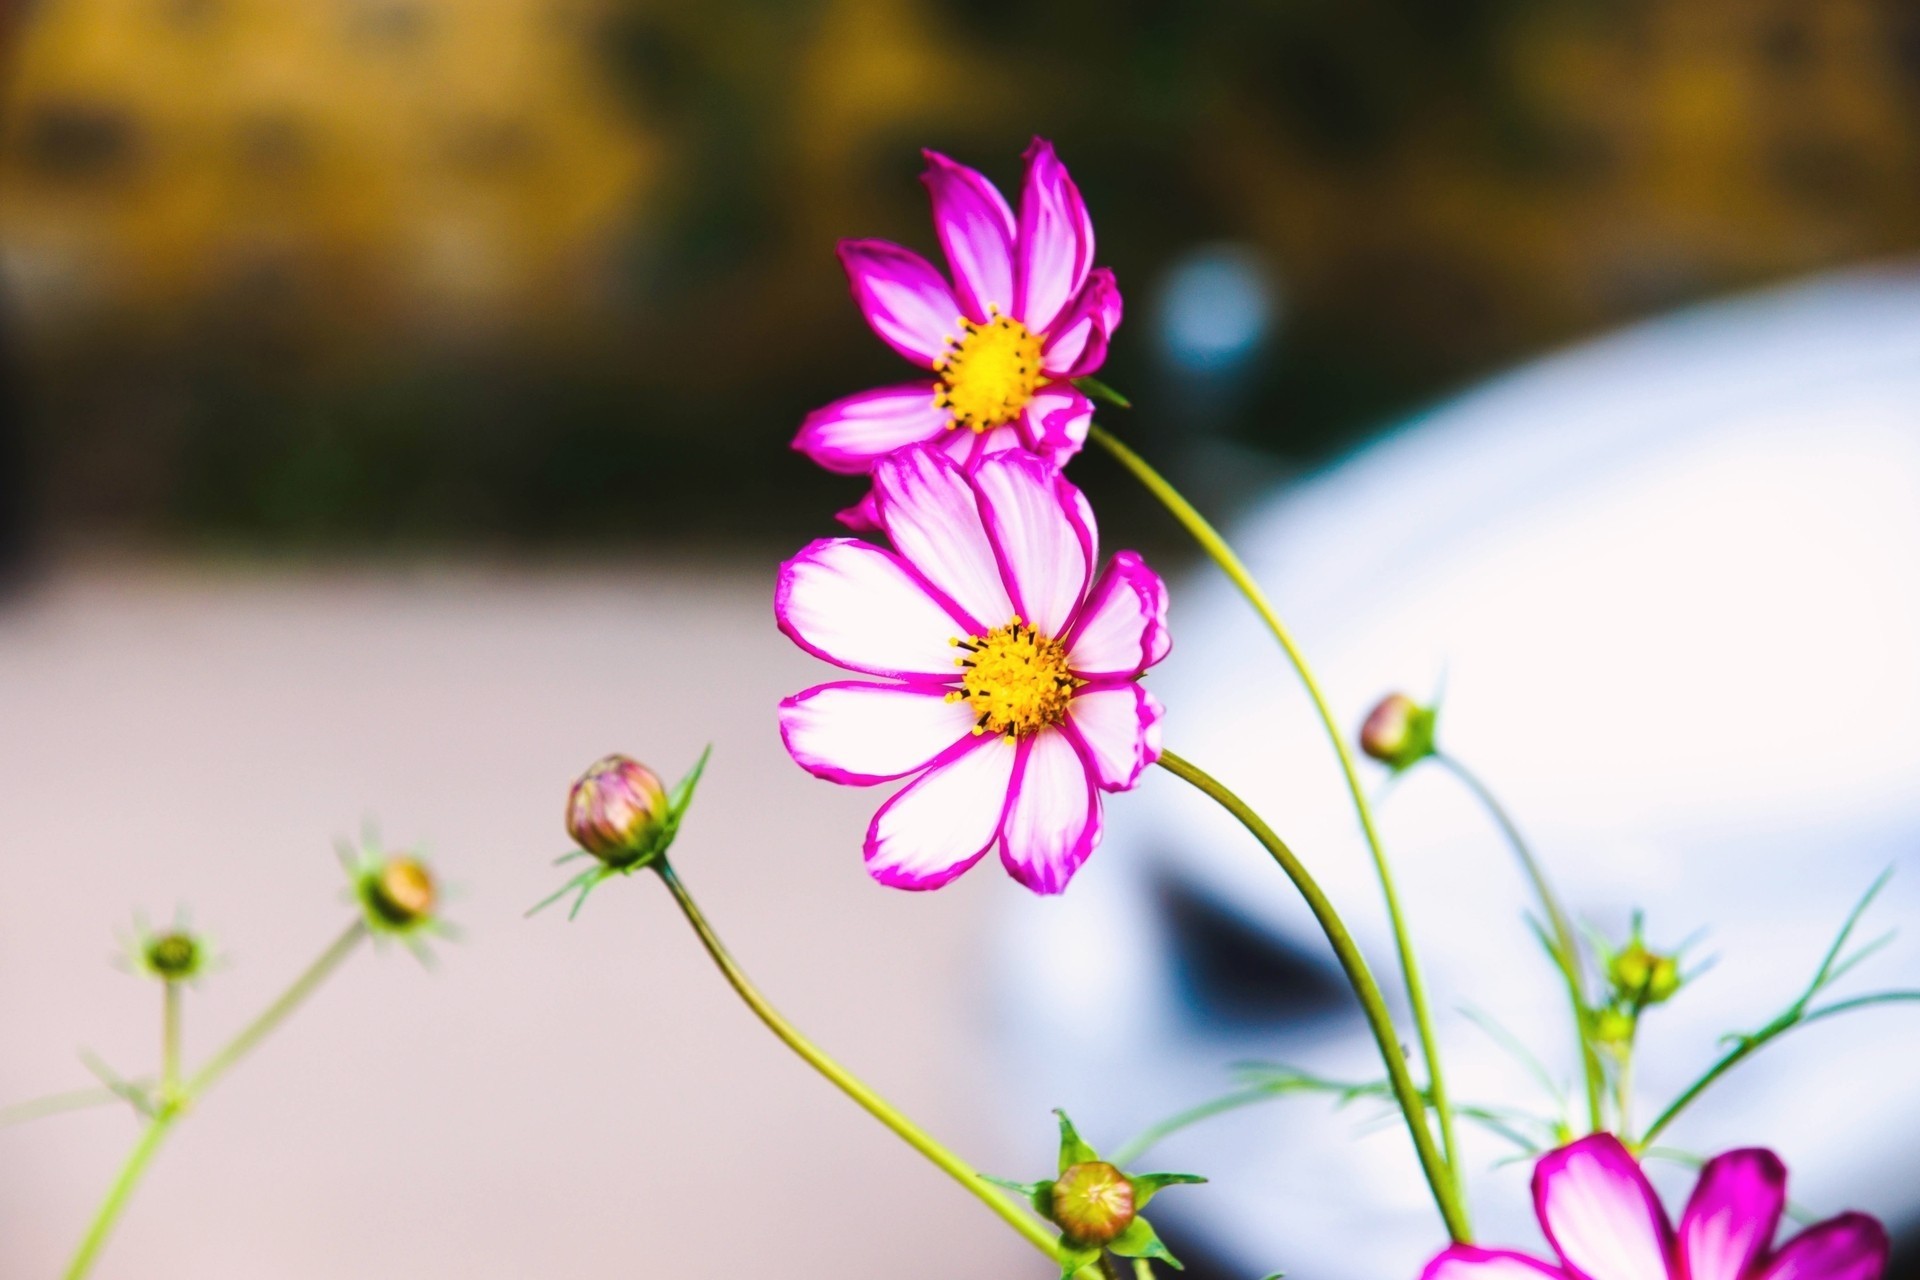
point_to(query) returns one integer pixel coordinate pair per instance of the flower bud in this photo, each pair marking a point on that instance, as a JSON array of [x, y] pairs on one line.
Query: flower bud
[[1643, 977], [1398, 732], [1092, 1202], [174, 956], [400, 892], [1613, 1029], [616, 810]]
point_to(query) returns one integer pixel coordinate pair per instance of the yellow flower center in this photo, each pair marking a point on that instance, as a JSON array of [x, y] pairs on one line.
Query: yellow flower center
[[988, 373], [1017, 680]]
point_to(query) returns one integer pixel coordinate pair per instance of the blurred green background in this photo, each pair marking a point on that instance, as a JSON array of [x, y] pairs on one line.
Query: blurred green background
[[530, 274]]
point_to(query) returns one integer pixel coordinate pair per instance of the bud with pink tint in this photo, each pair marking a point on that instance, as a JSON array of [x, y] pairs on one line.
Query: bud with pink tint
[[616, 810]]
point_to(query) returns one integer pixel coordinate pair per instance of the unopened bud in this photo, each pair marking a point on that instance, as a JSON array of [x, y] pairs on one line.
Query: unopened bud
[[616, 810], [174, 956], [1643, 977], [1092, 1203], [400, 892], [1613, 1029], [1398, 732]]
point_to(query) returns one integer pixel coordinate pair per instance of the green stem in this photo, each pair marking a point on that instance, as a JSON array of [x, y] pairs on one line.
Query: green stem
[[1223, 555], [276, 1013], [1728, 1061], [1446, 1193], [1567, 953], [1029, 1227], [170, 1039], [176, 1096], [109, 1213], [1623, 1096]]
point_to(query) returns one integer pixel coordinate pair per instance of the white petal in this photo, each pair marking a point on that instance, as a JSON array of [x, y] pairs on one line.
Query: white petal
[[933, 516], [944, 820], [1119, 728], [1122, 628], [860, 733], [1053, 820], [856, 605], [1044, 533]]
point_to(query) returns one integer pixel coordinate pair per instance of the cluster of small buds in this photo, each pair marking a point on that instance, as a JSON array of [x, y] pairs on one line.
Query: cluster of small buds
[[1638, 978], [1398, 732], [1643, 977]]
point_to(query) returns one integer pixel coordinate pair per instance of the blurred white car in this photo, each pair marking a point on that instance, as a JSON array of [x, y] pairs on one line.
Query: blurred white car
[[1672, 579]]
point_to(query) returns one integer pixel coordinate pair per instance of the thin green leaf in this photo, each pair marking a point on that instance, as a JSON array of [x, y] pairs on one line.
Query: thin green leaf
[[1517, 1049], [560, 893], [1833, 965]]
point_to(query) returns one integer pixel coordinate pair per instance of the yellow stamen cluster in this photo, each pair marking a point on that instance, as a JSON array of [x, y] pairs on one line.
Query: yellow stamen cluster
[[988, 373], [1016, 680]]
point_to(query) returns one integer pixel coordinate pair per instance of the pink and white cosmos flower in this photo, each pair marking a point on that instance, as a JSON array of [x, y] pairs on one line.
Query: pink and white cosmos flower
[[1005, 678], [1025, 313], [1605, 1223]]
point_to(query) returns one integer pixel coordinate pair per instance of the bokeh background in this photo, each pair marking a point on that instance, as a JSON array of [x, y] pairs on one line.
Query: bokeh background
[[394, 415]]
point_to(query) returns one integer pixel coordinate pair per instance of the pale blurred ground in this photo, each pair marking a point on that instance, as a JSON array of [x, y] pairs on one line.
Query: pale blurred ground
[[555, 1100]]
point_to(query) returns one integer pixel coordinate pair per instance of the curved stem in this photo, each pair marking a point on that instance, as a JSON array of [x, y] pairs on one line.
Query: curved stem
[[1223, 555], [1446, 1193], [1567, 955], [276, 1013], [109, 1211], [1029, 1227]]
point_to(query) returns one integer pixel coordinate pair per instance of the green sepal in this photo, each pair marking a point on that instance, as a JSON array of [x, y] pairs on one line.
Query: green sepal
[[1072, 1149], [1145, 1184], [1140, 1241], [1094, 389], [1422, 726], [1037, 1194], [682, 794], [1074, 1257]]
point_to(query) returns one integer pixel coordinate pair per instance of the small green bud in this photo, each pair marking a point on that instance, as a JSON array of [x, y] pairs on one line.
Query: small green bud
[[401, 892], [617, 810], [1398, 732], [1613, 1029], [1643, 977], [174, 956], [1092, 1202]]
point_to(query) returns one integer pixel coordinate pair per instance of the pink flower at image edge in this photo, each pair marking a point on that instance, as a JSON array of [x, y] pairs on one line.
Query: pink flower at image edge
[[1026, 312], [1007, 686], [1605, 1223]]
